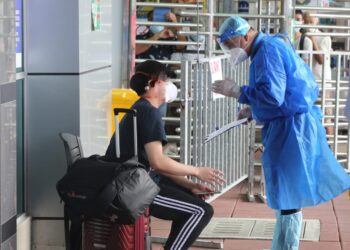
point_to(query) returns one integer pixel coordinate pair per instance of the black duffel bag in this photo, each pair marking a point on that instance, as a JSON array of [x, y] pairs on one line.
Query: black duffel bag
[[97, 188]]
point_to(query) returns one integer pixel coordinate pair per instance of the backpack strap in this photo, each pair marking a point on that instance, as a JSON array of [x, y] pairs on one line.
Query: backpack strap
[[301, 43]]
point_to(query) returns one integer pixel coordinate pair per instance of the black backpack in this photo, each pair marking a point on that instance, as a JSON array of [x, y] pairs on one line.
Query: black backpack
[[97, 188]]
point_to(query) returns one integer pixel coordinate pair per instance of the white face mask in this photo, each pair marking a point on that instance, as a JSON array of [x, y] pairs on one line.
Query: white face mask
[[238, 55], [297, 29], [170, 92]]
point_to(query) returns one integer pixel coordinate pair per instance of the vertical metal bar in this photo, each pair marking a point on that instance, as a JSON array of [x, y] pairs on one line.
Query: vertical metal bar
[[336, 122], [210, 28], [323, 85], [205, 115], [259, 13], [184, 115], [117, 135], [136, 154], [268, 20], [190, 90], [195, 116], [287, 12], [233, 115], [200, 112]]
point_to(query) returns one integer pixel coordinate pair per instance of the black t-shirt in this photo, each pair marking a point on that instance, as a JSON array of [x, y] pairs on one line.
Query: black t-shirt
[[150, 127]]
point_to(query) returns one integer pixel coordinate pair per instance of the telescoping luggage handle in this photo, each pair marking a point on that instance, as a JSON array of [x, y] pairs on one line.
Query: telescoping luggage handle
[[117, 135]]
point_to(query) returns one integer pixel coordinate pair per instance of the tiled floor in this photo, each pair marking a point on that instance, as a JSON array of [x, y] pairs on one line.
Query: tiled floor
[[334, 217]]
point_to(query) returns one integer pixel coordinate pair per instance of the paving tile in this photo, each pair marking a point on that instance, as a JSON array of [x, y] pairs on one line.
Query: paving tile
[[246, 244], [308, 245], [343, 215], [345, 245], [159, 224], [157, 246], [329, 232], [344, 231], [223, 207], [323, 216]]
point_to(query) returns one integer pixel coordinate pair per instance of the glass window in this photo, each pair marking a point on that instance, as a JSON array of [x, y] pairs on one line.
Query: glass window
[[19, 36]]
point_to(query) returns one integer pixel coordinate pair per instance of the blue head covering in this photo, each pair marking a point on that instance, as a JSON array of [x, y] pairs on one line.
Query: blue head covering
[[232, 27]]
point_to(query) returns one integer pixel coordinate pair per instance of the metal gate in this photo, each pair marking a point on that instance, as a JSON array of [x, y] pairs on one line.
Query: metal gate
[[202, 114]]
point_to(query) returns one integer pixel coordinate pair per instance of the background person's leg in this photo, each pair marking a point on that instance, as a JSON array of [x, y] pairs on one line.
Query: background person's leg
[[188, 213]]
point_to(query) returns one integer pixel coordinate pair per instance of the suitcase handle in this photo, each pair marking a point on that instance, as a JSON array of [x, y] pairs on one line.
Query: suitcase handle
[[117, 135], [121, 110]]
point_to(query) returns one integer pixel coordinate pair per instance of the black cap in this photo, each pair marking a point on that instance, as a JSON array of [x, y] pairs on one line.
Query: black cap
[[146, 74]]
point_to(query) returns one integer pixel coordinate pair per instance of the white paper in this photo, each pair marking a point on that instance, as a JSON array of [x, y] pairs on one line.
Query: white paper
[[224, 129], [216, 74]]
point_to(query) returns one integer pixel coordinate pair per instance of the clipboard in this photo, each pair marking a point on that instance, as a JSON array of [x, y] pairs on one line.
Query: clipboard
[[224, 129]]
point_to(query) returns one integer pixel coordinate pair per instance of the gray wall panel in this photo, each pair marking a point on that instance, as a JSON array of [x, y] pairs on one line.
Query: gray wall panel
[[52, 36], [95, 104], [94, 46], [7, 92], [52, 107]]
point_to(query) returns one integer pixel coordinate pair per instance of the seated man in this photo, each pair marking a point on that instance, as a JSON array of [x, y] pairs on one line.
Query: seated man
[[177, 200]]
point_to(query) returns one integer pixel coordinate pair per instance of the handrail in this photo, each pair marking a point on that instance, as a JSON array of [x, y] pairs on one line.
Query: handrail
[[173, 24], [248, 16], [321, 9], [158, 42], [328, 34], [170, 5], [322, 26]]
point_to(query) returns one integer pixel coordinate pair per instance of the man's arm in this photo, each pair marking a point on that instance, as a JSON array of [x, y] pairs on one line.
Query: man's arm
[[171, 17], [316, 47], [140, 48], [165, 165]]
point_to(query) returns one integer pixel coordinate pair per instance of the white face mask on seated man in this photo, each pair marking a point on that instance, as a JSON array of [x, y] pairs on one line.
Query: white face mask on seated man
[[170, 92]]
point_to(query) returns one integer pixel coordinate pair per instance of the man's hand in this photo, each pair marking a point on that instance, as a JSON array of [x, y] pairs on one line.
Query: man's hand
[[226, 87], [198, 188], [210, 175], [166, 33], [245, 113], [171, 17]]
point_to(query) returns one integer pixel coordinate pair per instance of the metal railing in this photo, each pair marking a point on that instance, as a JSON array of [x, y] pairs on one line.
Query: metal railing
[[332, 100], [202, 114]]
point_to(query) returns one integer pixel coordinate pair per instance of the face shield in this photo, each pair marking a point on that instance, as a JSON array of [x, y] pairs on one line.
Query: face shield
[[232, 47], [230, 35]]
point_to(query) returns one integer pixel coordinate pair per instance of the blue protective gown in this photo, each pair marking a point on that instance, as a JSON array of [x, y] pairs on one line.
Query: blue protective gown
[[300, 169]]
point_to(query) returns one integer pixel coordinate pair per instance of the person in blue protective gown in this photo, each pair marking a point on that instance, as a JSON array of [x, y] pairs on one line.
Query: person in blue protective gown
[[300, 169]]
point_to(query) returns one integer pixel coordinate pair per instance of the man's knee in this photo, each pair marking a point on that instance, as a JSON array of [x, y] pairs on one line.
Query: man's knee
[[208, 211]]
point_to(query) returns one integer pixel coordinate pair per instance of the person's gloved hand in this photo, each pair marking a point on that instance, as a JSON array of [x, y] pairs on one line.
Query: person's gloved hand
[[245, 113], [226, 87]]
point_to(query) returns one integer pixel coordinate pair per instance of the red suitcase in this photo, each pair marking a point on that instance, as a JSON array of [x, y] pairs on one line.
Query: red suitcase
[[102, 234]]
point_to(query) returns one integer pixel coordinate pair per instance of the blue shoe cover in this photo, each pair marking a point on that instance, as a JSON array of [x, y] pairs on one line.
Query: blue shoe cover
[[287, 231]]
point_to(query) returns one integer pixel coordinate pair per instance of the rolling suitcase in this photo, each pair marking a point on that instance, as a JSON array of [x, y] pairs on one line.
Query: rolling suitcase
[[102, 234], [131, 237]]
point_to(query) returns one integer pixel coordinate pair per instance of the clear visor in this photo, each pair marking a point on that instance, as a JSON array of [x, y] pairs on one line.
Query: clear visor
[[229, 43]]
